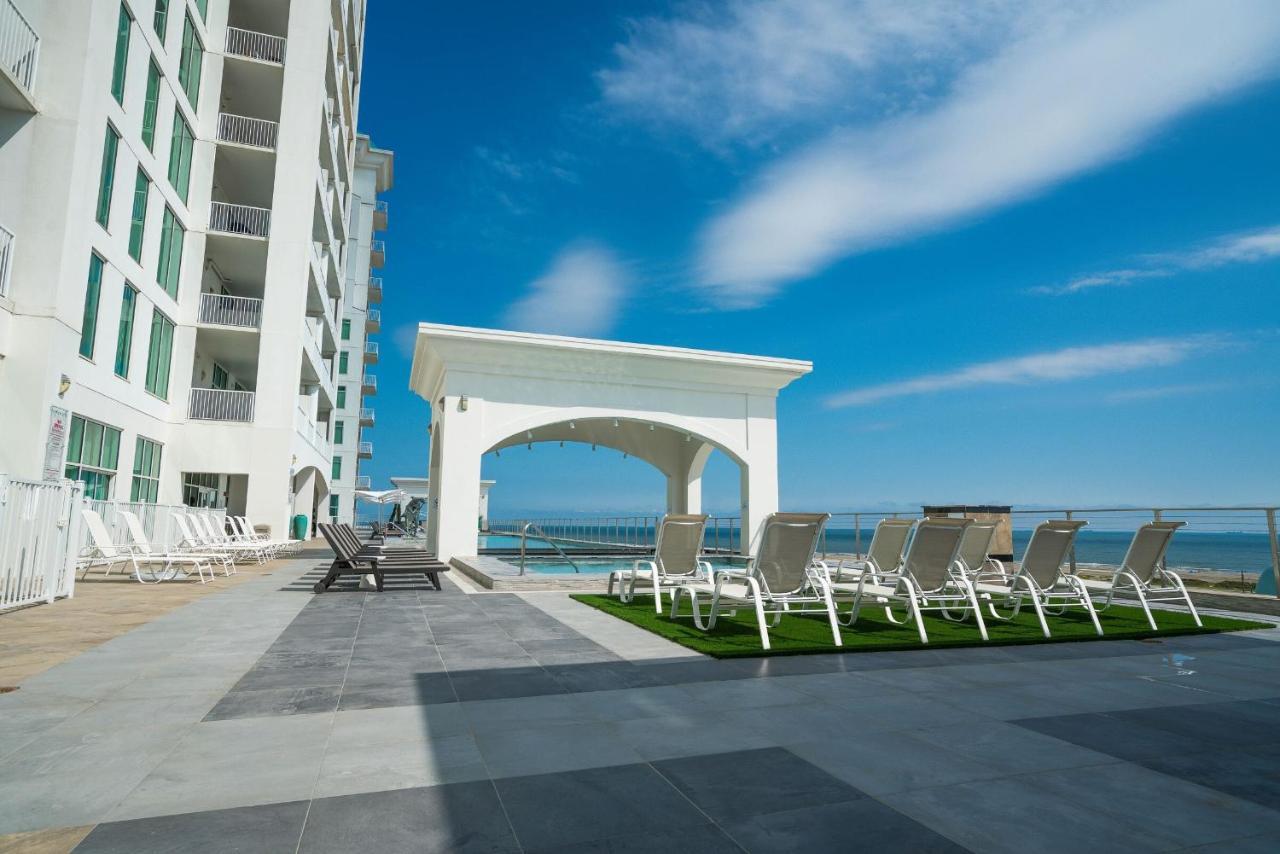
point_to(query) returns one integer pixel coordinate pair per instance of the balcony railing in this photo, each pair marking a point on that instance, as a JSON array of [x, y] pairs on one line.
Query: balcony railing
[[380, 215], [223, 310], [375, 289], [245, 130], [364, 450], [377, 253], [369, 385], [363, 481], [217, 404], [239, 219], [19, 45], [373, 321], [366, 417], [6, 259], [371, 352], [251, 45]]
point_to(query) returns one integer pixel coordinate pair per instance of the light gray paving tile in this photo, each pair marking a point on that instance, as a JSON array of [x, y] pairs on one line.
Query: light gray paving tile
[[398, 724], [673, 737], [747, 694], [353, 766], [1011, 749], [890, 761]]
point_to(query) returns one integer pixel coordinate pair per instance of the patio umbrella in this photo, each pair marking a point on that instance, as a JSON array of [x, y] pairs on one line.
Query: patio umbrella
[[382, 497]]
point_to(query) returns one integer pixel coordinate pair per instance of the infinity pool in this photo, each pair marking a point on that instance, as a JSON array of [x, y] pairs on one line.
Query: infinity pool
[[592, 565]]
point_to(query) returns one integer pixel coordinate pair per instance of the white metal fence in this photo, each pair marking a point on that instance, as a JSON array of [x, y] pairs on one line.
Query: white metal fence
[[226, 310], [19, 45], [261, 46], [217, 404], [39, 532], [239, 219], [245, 130], [6, 259], [163, 534]]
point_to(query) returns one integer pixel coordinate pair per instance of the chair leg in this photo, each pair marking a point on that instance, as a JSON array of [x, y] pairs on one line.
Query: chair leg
[[657, 593], [764, 630], [913, 607], [1146, 609]]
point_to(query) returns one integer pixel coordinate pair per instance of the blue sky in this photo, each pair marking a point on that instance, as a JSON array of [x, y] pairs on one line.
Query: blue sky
[[1033, 250]]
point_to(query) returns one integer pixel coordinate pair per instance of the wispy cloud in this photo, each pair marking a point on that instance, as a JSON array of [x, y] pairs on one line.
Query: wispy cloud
[[579, 295], [1131, 395], [1249, 247], [1058, 96], [1071, 363]]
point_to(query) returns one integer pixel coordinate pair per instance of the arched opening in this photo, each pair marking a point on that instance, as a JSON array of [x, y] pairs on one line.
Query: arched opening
[[310, 497]]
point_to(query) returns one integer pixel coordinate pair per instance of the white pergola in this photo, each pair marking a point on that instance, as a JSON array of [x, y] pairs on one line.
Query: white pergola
[[669, 406]]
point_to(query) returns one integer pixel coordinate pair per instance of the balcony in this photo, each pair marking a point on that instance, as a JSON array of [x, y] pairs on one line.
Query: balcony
[[223, 310], [366, 417], [6, 259], [256, 46], [373, 321], [379, 215], [377, 253], [375, 290], [19, 56], [217, 404], [371, 352], [240, 220], [365, 450], [369, 385], [363, 481], [248, 131]]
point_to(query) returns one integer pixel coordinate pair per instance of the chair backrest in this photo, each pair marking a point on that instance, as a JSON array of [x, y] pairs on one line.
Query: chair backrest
[[680, 542], [336, 541], [889, 542], [1050, 544], [237, 526], [203, 534], [184, 529], [101, 537], [217, 527], [787, 544], [136, 531], [349, 536], [1148, 548], [975, 545], [933, 551]]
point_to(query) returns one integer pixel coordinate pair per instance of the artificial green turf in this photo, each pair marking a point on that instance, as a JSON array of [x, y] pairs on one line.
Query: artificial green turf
[[738, 636]]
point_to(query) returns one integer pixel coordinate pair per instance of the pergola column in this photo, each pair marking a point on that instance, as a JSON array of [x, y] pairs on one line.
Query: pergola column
[[759, 470], [684, 487], [455, 483]]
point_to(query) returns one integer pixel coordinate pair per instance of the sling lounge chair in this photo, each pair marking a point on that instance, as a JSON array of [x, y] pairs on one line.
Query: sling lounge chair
[[675, 559], [1040, 578], [103, 551], [172, 561], [975, 549], [883, 555], [781, 578], [1144, 575], [930, 579], [216, 536]]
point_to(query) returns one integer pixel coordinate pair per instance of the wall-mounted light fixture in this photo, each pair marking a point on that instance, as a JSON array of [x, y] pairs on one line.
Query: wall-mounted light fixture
[[462, 403], [64, 385]]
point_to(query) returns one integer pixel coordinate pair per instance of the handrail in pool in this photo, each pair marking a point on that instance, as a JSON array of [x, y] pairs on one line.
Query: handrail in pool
[[524, 537]]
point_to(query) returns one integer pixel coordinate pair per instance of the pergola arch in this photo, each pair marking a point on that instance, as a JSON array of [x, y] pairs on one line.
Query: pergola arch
[[672, 407]]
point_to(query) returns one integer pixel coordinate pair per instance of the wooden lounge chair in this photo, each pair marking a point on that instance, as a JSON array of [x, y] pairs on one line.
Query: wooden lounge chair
[[349, 559]]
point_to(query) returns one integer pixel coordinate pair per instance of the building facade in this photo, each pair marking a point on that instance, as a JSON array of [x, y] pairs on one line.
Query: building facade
[[176, 233]]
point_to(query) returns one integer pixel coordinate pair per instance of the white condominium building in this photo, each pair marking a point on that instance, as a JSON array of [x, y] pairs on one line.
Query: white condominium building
[[178, 207]]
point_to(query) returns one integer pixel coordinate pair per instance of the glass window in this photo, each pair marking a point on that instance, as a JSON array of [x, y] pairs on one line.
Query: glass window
[[202, 489], [333, 507], [203, 6], [161, 20], [172, 235], [108, 177], [180, 151], [191, 62], [89, 322], [93, 450], [346, 329], [159, 355], [337, 432], [219, 376], [124, 26], [337, 467], [342, 361], [146, 471], [151, 106], [138, 223], [124, 336], [342, 396]]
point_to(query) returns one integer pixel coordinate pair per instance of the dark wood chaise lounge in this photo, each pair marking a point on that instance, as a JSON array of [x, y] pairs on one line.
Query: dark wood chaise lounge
[[350, 558]]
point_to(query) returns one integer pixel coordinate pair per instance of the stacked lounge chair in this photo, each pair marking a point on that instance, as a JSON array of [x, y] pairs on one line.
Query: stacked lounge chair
[[351, 557]]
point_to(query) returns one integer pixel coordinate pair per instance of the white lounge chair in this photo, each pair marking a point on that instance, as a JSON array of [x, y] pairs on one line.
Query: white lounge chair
[[216, 536], [102, 550], [172, 561], [1040, 578], [245, 533], [975, 549], [930, 579], [888, 544], [782, 578], [1144, 575], [196, 538], [675, 559]]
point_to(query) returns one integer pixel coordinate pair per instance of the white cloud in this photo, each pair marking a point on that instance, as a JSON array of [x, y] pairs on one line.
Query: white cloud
[[1159, 392], [1246, 248], [1067, 95], [1055, 366], [579, 295]]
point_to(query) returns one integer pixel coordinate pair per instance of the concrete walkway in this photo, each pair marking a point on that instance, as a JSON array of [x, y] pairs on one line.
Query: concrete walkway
[[264, 718]]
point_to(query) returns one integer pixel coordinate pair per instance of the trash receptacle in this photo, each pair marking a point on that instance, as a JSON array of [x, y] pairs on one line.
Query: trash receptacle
[[300, 527]]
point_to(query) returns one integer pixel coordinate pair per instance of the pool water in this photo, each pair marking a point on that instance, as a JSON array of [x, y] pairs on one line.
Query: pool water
[[594, 565]]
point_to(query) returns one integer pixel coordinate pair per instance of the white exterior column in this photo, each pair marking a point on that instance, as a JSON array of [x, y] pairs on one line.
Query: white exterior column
[[684, 486], [759, 471], [458, 438]]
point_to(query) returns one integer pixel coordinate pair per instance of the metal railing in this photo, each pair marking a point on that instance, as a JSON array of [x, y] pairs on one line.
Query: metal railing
[[373, 320], [251, 45], [363, 481], [217, 404], [524, 540], [375, 288], [365, 449], [366, 417], [39, 540], [639, 533], [19, 45], [371, 352], [369, 381], [377, 254], [225, 310], [6, 259], [245, 130], [239, 219]]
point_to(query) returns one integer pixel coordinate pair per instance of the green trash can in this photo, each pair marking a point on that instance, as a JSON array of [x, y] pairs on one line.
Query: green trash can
[[300, 527]]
